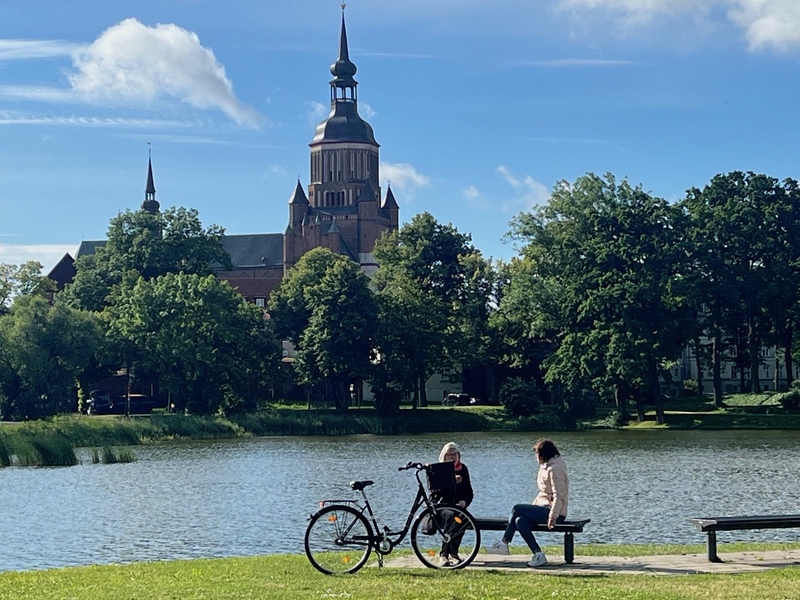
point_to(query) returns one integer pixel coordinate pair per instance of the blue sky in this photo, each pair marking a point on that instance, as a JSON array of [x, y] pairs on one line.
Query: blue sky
[[480, 107]]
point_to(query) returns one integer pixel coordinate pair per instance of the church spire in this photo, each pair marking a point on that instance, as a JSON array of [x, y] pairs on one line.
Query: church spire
[[150, 203], [343, 70]]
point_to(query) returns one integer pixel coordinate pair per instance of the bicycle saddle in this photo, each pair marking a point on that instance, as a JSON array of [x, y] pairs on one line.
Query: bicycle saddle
[[360, 485]]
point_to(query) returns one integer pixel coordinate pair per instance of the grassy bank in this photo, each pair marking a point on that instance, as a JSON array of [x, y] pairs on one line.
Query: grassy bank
[[50, 442], [291, 577]]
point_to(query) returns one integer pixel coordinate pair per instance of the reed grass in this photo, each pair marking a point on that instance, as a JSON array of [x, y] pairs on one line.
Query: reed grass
[[112, 456], [54, 450], [5, 455]]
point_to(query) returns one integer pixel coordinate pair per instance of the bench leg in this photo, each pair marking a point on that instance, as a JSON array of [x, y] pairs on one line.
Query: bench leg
[[569, 548], [712, 547]]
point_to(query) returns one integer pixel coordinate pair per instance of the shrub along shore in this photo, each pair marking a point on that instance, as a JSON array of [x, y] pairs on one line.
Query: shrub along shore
[[52, 442], [287, 577]]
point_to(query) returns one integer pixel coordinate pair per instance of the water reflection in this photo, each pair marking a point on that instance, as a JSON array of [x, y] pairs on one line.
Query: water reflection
[[247, 497]]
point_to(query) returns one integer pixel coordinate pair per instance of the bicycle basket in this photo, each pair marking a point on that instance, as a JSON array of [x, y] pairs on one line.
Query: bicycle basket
[[441, 477]]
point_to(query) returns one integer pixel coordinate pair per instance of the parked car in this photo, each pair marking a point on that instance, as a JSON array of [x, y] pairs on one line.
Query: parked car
[[102, 402], [455, 400]]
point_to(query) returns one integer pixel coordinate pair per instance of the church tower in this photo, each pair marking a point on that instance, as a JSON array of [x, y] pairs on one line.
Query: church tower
[[342, 210]]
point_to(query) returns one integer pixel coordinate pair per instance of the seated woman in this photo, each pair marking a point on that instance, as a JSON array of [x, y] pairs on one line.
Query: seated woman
[[549, 506], [461, 496]]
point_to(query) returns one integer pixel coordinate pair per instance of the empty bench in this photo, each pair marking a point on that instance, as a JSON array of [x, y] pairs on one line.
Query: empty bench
[[568, 528], [712, 525]]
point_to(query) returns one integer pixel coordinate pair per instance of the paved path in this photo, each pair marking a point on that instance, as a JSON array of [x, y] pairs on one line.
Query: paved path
[[667, 564]]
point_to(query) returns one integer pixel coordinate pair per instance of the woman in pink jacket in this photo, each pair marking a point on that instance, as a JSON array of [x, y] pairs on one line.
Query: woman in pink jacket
[[549, 506]]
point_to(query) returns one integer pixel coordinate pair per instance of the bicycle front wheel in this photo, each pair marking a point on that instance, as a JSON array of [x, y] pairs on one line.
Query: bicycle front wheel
[[338, 540], [453, 545]]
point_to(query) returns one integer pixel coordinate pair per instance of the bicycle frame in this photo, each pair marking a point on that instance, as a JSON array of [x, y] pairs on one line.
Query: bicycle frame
[[382, 539]]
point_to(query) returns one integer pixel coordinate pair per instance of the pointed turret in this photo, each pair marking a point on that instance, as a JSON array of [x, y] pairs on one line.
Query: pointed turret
[[150, 203], [368, 195], [298, 205], [389, 201]]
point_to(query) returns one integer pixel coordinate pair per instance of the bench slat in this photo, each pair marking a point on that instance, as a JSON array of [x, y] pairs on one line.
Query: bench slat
[[747, 522], [500, 523]]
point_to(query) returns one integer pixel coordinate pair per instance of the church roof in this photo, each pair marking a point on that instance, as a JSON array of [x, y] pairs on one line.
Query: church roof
[[368, 195], [254, 249], [344, 125], [89, 247]]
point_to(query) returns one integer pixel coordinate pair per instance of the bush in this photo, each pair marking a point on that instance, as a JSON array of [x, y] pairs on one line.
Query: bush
[[790, 399], [520, 398], [690, 387]]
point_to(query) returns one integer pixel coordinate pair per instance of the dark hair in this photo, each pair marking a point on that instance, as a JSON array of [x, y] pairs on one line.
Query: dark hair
[[545, 449]]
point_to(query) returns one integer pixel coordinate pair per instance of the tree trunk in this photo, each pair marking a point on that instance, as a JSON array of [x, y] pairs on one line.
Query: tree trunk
[[491, 382], [787, 358], [423, 391], [637, 396], [776, 380], [716, 375], [755, 354], [655, 391], [698, 361], [622, 410]]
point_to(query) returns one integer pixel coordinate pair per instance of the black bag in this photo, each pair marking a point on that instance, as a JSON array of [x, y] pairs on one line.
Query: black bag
[[427, 526]]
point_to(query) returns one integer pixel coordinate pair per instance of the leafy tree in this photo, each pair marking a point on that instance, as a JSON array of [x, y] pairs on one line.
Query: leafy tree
[[22, 280], [201, 338], [435, 266], [146, 245], [605, 256], [325, 308], [743, 230], [43, 350]]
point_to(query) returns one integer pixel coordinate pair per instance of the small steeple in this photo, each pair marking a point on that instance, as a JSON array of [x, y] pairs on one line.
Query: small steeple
[[368, 194], [389, 201], [298, 196], [150, 203]]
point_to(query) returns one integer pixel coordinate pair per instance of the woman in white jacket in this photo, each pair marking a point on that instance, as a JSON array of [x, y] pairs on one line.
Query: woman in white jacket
[[549, 506]]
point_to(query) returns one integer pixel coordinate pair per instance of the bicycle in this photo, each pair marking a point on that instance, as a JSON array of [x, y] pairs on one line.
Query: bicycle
[[341, 535]]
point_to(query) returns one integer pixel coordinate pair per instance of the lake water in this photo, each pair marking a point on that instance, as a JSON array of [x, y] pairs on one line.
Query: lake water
[[253, 496]]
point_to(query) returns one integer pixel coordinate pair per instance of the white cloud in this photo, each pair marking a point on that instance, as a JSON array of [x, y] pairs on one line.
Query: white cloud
[[405, 177], [529, 192], [578, 62], [11, 118], [767, 23], [366, 110], [132, 63], [276, 169], [32, 49], [47, 254], [317, 111], [474, 197]]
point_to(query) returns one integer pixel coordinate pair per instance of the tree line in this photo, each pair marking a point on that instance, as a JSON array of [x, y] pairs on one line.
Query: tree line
[[609, 285]]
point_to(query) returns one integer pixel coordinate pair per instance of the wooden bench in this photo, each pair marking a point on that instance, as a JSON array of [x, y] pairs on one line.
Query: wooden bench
[[712, 525], [568, 528]]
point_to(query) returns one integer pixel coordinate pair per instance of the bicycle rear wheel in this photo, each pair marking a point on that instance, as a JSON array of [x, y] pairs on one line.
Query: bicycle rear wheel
[[456, 537], [338, 540]]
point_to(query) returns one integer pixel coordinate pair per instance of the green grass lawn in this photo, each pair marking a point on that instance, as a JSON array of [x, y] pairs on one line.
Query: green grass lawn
[[291, 576]]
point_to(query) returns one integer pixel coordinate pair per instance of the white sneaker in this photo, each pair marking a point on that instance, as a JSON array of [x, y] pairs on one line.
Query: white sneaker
[[499, 547], [444, 561], [455, 557], [538, 560]]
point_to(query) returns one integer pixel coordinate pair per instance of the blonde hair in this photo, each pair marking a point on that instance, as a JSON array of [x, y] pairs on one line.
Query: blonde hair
[[446, 448]]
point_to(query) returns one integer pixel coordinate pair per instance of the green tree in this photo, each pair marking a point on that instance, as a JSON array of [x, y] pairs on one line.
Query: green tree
[[22, 280], [201, 338], [606, 255], [744, 229], [325, 308], [43, 350], [146, 245], [433, 265]]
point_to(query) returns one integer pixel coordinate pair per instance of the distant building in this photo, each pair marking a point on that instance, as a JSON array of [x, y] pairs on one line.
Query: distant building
[[341, 210]]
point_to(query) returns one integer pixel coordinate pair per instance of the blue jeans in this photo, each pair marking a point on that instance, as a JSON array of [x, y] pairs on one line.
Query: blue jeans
[[521, 519]]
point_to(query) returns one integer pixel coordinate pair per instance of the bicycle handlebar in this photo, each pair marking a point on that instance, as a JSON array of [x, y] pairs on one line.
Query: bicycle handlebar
[[411, 465]]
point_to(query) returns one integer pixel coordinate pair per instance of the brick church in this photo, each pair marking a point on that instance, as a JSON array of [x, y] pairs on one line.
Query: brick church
[[341, 208]]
